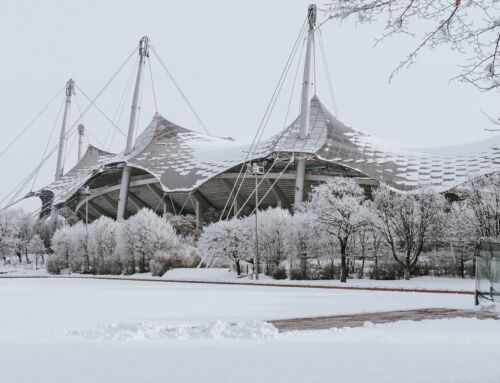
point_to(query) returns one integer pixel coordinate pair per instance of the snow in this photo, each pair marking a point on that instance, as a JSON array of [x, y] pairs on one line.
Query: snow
[[90, 330], [420, 283], [151, 331], [213, 274]]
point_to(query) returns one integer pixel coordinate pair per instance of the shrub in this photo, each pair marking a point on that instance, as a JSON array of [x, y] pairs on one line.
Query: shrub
[[297, 274], [388, 270], [56, 263], [329, 271], [162, 262], [280, 273]]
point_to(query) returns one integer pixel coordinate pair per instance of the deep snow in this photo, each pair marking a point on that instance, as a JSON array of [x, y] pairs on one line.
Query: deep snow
[[59, 330]]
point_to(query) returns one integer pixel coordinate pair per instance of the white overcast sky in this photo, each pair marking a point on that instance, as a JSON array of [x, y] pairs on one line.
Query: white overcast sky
[[227, 56]]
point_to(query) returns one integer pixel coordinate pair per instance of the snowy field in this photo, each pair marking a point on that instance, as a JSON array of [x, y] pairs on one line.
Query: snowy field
[[60, 330], [226, 275]]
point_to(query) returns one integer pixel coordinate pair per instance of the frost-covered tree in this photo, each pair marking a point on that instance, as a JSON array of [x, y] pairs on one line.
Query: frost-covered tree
[[338, 207], [79, 256], [184, 225], [36, 246], [471, 28], [102, 236], [45, 230], [141, 236], [274, 227], [483, 197], [60, 245], [10, 222], [69, 244], [461, 233], [67, 215], [226, 242], [305, 243], [407, 222]]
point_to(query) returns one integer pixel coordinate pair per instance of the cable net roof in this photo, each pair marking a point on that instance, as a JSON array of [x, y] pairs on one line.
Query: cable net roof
[[182, 160]]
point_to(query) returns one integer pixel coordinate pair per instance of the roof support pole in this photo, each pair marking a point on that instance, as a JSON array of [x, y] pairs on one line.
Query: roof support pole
[[70, 91], [132, 128], [199, 205], [81, 134], [305, 109]]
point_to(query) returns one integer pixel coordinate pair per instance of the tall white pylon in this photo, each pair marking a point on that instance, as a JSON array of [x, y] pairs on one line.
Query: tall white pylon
[[305, 110], [81, 135], [70, 91], [134, 117]]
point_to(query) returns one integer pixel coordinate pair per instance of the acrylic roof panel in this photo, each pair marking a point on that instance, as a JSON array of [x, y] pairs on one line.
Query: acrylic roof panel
[[182, 159], [89, 165], [403, 167]]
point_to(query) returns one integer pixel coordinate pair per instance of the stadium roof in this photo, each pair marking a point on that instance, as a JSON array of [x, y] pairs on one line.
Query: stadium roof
[[182, 160]]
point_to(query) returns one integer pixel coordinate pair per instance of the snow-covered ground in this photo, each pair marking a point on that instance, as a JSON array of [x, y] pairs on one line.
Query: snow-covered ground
[[59, 330], [423, 283], [228, 276]]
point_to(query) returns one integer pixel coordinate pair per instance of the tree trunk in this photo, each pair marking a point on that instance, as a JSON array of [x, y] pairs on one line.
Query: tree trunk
[[362, 272], [141, 263], [407, 268], [407, 273], [303, 265], [462, 266], [343, 263], [238, 269]]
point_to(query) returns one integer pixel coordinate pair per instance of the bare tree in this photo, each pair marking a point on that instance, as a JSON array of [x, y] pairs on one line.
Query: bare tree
[[462, 233], [37, 248], [407, 222], [466, 26], [484, 199]]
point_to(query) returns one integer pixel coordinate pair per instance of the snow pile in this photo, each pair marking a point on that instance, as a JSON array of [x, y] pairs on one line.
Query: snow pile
[[200, 274], [490, 306], [150, 331]]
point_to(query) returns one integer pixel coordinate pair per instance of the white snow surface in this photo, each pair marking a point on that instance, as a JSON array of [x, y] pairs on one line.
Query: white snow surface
[[227, 275], [213, 274], [83, 330]]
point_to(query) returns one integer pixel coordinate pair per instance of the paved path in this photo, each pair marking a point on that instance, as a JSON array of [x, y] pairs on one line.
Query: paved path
[[357, 320]]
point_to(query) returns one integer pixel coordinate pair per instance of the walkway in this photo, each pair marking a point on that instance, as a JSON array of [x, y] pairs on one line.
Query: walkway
[[358, 320]]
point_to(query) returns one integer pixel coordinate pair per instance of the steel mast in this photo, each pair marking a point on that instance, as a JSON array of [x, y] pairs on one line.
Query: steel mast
[[305, 110], [81, 135], [70, 91], [132, 128]]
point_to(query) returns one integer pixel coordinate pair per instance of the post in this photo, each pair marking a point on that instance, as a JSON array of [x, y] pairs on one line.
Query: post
[[81, 134], [134, 116], [256, 229], [305, 110], [255, 170], [70, 91], [86, 192]]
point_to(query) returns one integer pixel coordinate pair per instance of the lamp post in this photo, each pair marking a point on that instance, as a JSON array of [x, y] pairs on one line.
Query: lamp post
[[86, 192], [255, 170]]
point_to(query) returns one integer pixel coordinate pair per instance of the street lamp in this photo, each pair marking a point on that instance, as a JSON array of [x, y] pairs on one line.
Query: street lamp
[[255, 170], [86, 192]]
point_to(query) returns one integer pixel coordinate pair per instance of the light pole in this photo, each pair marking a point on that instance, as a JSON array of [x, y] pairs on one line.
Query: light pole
[[86, 192], [255, 170]]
